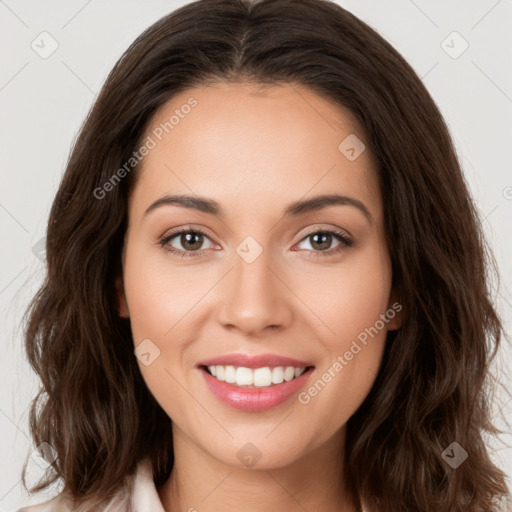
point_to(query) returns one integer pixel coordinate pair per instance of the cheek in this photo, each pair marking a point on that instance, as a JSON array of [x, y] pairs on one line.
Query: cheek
[[159, 308], [352, 304], [163, 301], [350, 297], [158, 294]]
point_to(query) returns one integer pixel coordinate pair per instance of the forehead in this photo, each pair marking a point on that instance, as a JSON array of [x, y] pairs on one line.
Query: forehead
[[249, 145]]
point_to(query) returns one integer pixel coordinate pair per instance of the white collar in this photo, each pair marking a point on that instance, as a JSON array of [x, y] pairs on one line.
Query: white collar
[[145, 496]]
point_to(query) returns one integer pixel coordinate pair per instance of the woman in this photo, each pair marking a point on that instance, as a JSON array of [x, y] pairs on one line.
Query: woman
[[266, 280]]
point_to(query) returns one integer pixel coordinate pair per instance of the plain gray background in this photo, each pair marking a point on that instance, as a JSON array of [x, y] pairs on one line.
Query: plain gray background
[[44, 100]]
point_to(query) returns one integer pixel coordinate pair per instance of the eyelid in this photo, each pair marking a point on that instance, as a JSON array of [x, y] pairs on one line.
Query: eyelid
[[184, 229], [329, 228], [170, 234], [346, 241]]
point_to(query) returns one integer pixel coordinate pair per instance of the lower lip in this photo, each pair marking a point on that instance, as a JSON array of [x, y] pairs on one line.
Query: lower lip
[[254, 399]]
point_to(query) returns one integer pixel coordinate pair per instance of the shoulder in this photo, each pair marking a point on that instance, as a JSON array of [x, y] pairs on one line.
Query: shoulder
[[57, 504], [139, 494]]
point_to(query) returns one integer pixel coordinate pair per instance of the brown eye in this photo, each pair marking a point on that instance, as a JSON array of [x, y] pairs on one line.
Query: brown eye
[[320, 242], [185, 242], [191, 241]]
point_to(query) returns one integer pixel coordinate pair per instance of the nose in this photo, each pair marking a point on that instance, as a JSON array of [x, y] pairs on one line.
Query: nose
[[255, 298]]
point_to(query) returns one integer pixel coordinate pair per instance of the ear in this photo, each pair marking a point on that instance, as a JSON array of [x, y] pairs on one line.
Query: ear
[[122, 304], [394, 312]]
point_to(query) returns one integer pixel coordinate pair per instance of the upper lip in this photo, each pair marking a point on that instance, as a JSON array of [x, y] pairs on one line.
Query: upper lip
[[254, 361]]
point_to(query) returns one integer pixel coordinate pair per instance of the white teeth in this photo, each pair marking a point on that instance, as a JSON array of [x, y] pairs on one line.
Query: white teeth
[[230, 374], [289, 373], [262, 377], [244, 376], [277, 375], [219, 370], [258, 377]]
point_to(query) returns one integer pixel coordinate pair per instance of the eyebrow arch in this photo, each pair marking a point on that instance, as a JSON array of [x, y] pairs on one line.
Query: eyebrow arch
[[295, 209]]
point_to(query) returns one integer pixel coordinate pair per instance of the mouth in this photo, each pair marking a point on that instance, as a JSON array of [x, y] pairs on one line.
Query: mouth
[[250, 378], [254, 383]]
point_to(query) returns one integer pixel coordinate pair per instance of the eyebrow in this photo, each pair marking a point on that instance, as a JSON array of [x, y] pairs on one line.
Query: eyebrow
[[294, 209]]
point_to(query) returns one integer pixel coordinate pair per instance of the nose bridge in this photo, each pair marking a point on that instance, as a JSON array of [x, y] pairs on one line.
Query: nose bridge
[[251, 271], [255, 298]]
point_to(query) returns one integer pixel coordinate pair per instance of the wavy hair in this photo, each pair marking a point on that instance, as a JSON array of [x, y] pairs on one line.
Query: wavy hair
[[433, 387]]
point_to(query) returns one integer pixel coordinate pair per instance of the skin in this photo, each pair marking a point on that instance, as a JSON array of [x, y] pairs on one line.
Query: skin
[[255, 150]]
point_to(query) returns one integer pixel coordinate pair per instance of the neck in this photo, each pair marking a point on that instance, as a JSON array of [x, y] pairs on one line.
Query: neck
[[199, 482]]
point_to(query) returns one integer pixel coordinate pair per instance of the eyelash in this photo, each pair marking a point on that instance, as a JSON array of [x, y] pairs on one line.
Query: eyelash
[[345, 242]]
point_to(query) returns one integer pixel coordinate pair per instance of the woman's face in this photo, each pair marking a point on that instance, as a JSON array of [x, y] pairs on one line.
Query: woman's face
[[267, 278]]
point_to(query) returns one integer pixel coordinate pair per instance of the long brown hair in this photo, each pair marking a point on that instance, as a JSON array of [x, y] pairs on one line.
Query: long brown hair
[[433, 386]]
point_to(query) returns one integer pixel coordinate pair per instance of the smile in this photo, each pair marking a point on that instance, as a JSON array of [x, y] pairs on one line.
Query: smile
[[254, 383], [257, 377]]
